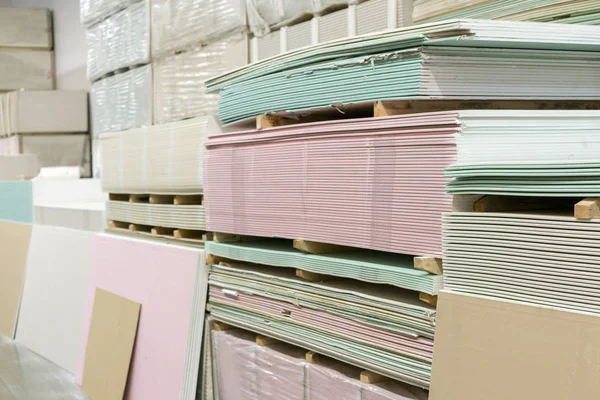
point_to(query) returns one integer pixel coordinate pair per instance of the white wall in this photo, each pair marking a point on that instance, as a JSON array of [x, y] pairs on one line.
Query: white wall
[[69, 41]]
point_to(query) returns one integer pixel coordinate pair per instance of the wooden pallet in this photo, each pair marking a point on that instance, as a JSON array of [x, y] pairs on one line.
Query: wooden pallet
[[398, 107], [586, 209], [171, 235], [175, 199], [429, 264]]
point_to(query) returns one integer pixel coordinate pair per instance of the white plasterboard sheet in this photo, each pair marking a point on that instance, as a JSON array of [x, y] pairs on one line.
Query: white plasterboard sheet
[[52, 111]]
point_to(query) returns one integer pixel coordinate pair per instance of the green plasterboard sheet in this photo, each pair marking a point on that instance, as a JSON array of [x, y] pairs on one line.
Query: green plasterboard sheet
[[16, 201], [521, 185], [366, 265], [402, 368]]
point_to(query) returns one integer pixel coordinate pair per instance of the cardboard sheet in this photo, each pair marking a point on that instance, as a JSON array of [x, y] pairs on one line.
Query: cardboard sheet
[[14, 244], [170, 283], [58, 269], [497, 350], [110, 344]]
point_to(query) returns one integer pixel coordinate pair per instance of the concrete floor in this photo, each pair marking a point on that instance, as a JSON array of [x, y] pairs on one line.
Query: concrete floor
[[24, 375]]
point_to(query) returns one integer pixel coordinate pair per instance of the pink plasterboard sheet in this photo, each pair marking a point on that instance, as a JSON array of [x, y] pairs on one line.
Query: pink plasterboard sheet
[[161, 278]]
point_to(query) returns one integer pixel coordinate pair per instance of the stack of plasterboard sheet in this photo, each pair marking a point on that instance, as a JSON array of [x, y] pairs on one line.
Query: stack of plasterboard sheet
[[94, 11], [374, 183], [26, 69], [18, 167], [544, 352], [120, 41], [383, 329], [122, 101], [166, 158], [334, 26], [279, 371], [166, 355], [16, 200], [56, 279], [539, 258], [537, 10], [29, 28], [366, 265], [182, 24], [266, 46], [527, 153], [14, 242], [69, 203], [299, 35], [160, 215], [179, 91]]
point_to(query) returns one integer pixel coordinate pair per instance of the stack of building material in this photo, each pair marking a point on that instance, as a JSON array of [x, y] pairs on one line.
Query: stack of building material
[[374, 68], [383, 329], [94, 11], [52, 125], [19, 167], [563, 11], [155, 179], [26, 57], [172, 303], [275, 370]]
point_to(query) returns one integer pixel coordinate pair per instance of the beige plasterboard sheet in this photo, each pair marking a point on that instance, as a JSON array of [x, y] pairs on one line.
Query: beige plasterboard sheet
[[26, 69], [54, 111], [25, 27], [497, 350], [110, 346], [14, 244]]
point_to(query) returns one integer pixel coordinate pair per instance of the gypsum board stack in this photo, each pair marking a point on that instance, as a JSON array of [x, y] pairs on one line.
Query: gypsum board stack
[[538, 10], [418, 73], [373, 183], [380, 306], [165, 158], [158, 215], [280, 371], [461, 33], [538, 258], [368, 266]]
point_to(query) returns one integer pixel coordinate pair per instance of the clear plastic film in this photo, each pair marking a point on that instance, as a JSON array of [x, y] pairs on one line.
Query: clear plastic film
[[94, 11], [122, 101], [122, 40], [179, 90], [265, 15], [278, 371], [184, 24]]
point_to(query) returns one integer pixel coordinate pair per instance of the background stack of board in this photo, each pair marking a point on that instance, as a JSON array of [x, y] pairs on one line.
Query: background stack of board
[[247, 367], [51, 124], [26, 57], [562, 11], [155, 179], [280, 26]]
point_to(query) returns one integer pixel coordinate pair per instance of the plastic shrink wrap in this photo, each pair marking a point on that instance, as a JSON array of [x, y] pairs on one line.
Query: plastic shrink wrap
[[179, 90], [122, 101], [264, 15], [122, 40], [184, 24], [94, 11]]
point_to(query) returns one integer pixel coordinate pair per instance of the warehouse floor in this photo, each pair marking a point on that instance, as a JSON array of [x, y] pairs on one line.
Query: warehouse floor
[[24, 375]]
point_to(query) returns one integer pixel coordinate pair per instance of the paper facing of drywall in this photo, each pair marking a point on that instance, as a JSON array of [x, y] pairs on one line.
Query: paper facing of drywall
[[16, 201], [497, 350], [110, 346], [53, 302], [14, 244]]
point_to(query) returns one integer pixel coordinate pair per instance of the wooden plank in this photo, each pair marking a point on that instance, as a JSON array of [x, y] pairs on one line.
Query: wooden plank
[[157, 230], [320, 248], [312, 276], [430, 264], [140, 228], [520, 203], [207, 236], [266, 121], [187, 234], [372, 377], [118, 225], [161, 199], [211, 259], [221, 326], [399, 107], [118, 197], [588, 208], [312, 357], [428, 298], [226, 237], [195, 199], [139, 198], [208, 307], [265, 340]]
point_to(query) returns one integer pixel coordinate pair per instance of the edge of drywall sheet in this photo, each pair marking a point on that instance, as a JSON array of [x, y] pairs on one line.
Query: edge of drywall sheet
[[52, 265]]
